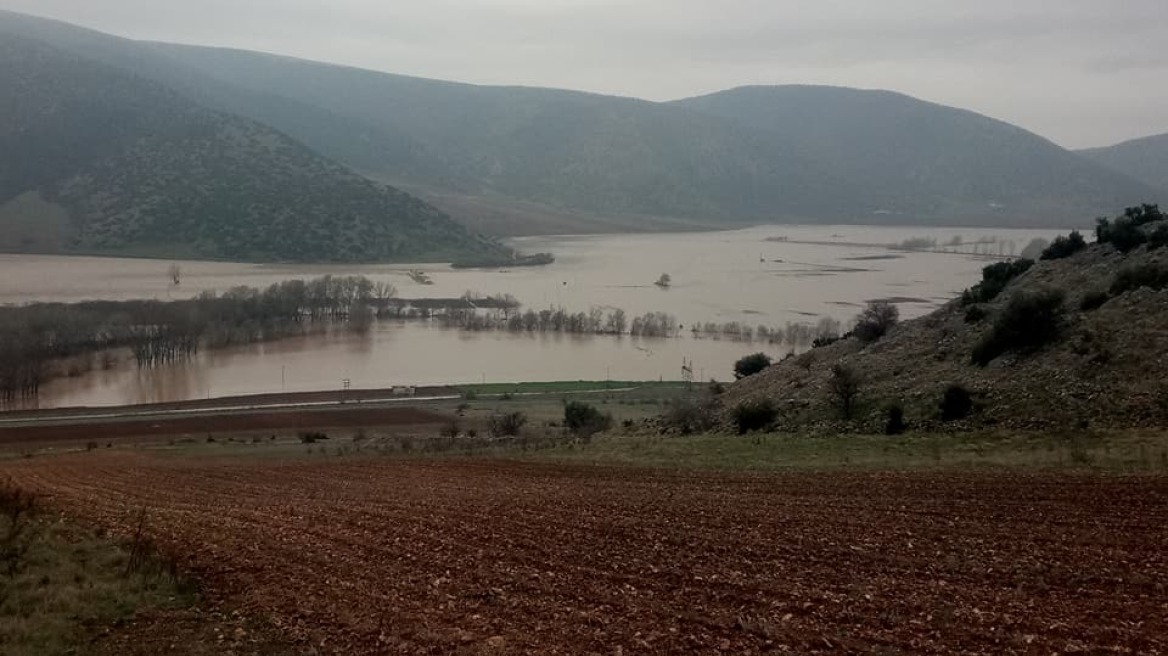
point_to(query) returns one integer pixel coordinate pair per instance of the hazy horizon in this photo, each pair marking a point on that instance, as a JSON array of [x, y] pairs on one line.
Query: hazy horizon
[[1065, 71]]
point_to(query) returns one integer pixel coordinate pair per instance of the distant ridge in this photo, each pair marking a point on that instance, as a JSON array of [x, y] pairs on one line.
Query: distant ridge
[[525, 160], [1144, 159]]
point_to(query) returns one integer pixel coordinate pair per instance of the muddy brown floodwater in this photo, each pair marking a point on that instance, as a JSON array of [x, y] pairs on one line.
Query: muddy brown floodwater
[[744, 276]]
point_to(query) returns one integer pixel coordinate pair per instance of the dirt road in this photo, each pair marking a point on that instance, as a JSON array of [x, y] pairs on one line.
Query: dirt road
[[414, 556]]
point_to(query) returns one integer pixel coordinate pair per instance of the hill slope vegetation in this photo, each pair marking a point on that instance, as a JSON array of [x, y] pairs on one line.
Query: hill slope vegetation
[[743, 156], [95, 160], [1064, 343]]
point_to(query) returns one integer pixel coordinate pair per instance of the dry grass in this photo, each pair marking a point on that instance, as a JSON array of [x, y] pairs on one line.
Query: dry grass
[[67, 583]]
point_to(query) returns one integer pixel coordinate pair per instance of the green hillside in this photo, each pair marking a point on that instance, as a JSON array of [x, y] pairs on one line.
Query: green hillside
[[521, 157], [125, 166], [1144, 159]]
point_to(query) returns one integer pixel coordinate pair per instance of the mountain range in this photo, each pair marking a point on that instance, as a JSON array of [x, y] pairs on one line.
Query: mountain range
[[121, 146]]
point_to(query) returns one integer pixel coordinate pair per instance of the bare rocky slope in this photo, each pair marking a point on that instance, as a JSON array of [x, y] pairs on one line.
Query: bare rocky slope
[[1107, 366]]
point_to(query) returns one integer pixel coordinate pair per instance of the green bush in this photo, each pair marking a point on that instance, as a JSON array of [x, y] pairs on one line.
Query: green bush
[[751, 365], [1154, 276], [689, 415], [995, 278], [956, 403], [1028, 322], [759, 414], [875, 321], [975, 313], [1159, 237], [895, 424], [1126, 232], [844, 388], [584, 420], [1063, 247], [1093, 300]]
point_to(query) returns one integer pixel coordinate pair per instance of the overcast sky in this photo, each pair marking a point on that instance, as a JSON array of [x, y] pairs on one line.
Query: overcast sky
[[1080, 72]]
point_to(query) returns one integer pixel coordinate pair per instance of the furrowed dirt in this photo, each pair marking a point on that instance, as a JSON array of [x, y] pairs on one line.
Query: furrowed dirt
[[417, 556]]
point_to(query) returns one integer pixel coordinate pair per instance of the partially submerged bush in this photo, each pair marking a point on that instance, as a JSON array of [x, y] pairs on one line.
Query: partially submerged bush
[[876, 320], [751, 365], [956, 403], [759, 414], [1063, 247], [1028, 322], [1153, 276], [584, 420], [995, 278]]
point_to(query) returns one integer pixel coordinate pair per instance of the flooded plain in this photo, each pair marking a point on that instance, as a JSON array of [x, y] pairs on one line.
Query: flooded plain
[[772, 275]]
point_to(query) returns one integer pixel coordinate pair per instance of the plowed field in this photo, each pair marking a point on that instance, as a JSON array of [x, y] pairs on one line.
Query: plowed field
[[415, 556]]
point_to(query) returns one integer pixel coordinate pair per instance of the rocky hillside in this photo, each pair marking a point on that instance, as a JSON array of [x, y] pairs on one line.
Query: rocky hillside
[[96, 160], [1103, 363]]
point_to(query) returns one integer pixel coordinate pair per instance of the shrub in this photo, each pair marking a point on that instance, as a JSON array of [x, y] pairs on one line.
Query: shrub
[[1033, 249], [1159, 237], [759, 414], [583, 420], [876, 320], [895, 424], [1154, 276], [825, 340], [506, 425], [1125, 236], [1063, 247], [1093, 300], [751, 365], [1028, 322], [975, 313], [313, 437], [995, 278], [688, 415], [844, 387], [956, 403], [716, 387], [16, 509]]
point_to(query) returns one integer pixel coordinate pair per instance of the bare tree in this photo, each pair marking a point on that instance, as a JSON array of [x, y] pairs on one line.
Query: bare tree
[[877, 319]]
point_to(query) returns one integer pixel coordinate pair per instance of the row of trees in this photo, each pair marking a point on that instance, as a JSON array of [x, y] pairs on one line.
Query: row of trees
[[798, 334], [33, 337]]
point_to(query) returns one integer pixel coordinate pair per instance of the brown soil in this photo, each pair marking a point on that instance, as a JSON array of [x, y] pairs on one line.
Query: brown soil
[[408, 556], [190, 633]]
